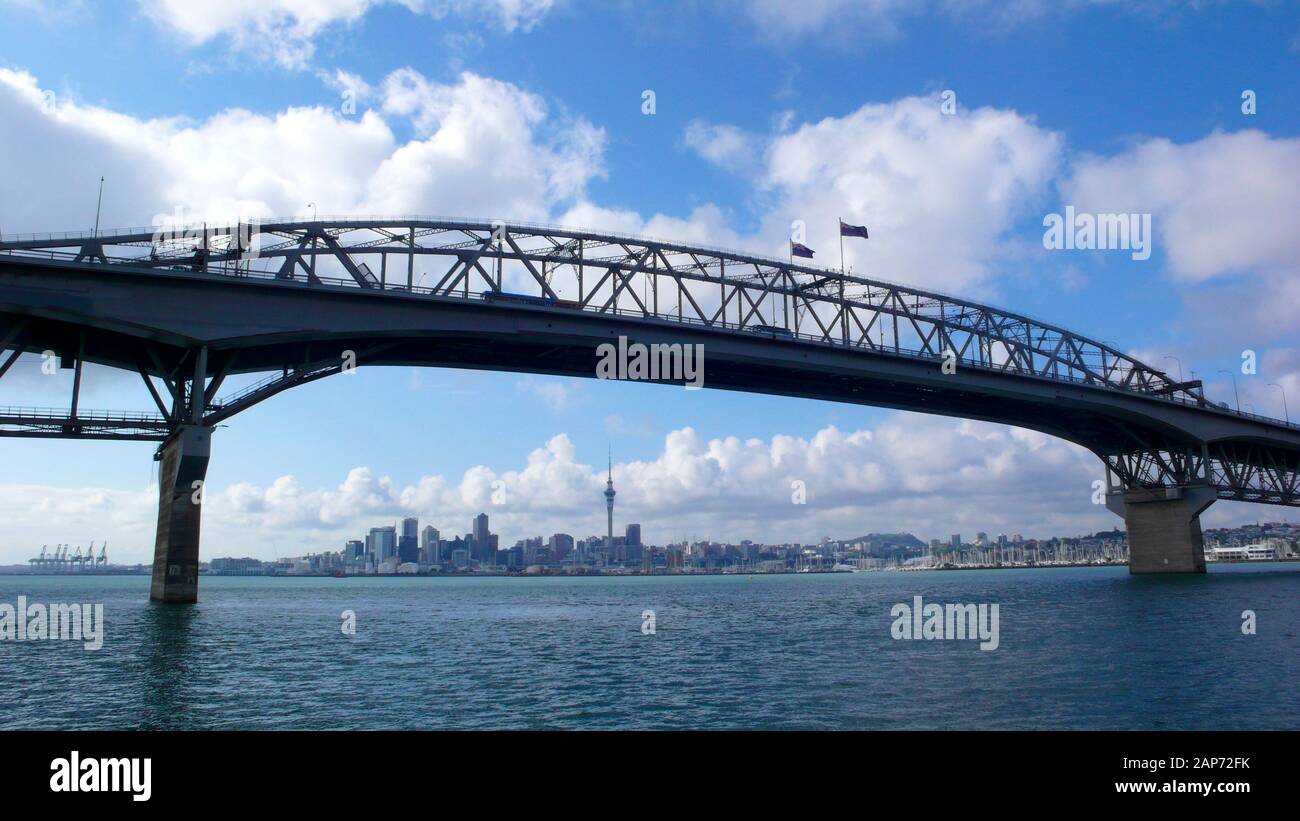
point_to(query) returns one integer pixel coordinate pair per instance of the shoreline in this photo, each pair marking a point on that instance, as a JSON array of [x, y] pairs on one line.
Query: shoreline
[[1253, 562]]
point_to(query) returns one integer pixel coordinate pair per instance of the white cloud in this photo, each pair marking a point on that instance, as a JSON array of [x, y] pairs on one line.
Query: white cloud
[[285, 31], [483, 147], [559, 395], [939, 193], [783, 19], [1221, 205], [706, 225], [1274, 390], [1224, 210], [348, 85], [725, 146]]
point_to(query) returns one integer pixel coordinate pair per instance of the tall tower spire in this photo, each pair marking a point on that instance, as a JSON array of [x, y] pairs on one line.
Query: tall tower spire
[[609, 506]]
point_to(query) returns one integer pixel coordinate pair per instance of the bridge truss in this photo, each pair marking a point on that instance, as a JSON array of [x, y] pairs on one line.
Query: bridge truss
[[624, 276]]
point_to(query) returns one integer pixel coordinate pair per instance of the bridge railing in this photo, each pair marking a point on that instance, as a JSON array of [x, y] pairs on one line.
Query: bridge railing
[[8, 412]]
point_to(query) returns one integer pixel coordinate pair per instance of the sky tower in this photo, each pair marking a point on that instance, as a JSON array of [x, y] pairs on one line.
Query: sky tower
[[609, 508]]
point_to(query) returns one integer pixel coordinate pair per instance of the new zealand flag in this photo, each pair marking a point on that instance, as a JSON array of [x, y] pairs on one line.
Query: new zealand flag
[[847, 230]]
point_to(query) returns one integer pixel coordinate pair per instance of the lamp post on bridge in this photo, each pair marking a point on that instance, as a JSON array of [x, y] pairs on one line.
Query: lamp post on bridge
[[1285, 409], [99, 204], [312, 206], [1236, 395], [1180, 365]]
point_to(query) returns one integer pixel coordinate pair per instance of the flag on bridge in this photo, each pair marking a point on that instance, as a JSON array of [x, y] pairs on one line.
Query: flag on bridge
[[847, 230], [798, 249]]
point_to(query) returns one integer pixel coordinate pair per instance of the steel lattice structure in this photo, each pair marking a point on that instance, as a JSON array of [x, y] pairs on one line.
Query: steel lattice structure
[[1242, 472], [610, 273], [559, 271]]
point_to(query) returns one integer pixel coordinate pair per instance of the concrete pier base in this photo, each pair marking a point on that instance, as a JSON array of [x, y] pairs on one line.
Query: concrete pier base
[[184, 467], [1164, 527]]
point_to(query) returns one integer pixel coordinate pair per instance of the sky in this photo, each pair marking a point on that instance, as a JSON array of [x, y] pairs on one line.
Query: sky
[[949, 128]]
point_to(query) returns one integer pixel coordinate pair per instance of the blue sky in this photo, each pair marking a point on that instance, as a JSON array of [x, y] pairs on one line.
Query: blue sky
[[765, 113]]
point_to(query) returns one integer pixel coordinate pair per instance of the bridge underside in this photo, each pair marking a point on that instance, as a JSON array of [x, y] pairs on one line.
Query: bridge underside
[[190, 332]]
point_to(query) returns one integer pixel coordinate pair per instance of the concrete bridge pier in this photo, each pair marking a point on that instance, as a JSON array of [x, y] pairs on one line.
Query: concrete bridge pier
[[1164, 527], [183, 468]]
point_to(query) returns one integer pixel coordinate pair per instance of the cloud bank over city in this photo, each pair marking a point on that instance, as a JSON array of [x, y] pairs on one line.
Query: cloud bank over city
[[969, 475]]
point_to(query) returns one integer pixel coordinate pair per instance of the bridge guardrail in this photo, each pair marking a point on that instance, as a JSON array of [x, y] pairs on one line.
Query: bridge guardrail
[[57, 414]]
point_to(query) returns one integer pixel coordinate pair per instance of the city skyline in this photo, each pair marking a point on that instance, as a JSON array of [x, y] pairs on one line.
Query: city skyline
[[561, 554]]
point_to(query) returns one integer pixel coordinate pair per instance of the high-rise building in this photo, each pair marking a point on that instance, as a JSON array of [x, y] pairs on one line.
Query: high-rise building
[[408, 543], [632, 543], [482, 538], [560, 545], [429, 544], [381, 544], [955, 541]]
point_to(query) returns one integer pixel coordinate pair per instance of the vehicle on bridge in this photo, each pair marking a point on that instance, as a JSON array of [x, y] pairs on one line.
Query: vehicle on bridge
[[528, 299], [770, 330]]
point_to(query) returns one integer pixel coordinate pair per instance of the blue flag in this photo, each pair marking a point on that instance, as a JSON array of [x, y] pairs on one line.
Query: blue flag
[[798, 249], [847, 230]]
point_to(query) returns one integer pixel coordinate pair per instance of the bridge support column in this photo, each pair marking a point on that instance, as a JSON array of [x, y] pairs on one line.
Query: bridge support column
[[184, 466], [1164, 527]]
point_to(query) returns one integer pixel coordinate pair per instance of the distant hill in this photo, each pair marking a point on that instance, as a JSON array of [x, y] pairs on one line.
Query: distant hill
[[1108, 534], [889, 539]]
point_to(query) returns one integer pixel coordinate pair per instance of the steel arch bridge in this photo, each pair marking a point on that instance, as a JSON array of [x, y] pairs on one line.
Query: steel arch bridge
[[299, 300]]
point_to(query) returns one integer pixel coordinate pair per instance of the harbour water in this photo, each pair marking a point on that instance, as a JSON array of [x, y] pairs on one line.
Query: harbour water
[[1079, 648]]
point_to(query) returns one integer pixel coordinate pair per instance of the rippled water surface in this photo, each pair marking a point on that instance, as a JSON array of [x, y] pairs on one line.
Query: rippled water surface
[[1080, 648]]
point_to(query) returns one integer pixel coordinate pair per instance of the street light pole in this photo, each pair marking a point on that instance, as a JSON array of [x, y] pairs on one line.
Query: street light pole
[[1180, 365], [1285, 409], [98, 204], [1236, 395]]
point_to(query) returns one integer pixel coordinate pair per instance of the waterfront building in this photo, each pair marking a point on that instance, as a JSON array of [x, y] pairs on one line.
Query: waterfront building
[[1248, 552], [237, 567]]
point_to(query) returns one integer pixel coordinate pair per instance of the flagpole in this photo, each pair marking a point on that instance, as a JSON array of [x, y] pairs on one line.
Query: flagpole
[[841, 246]]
